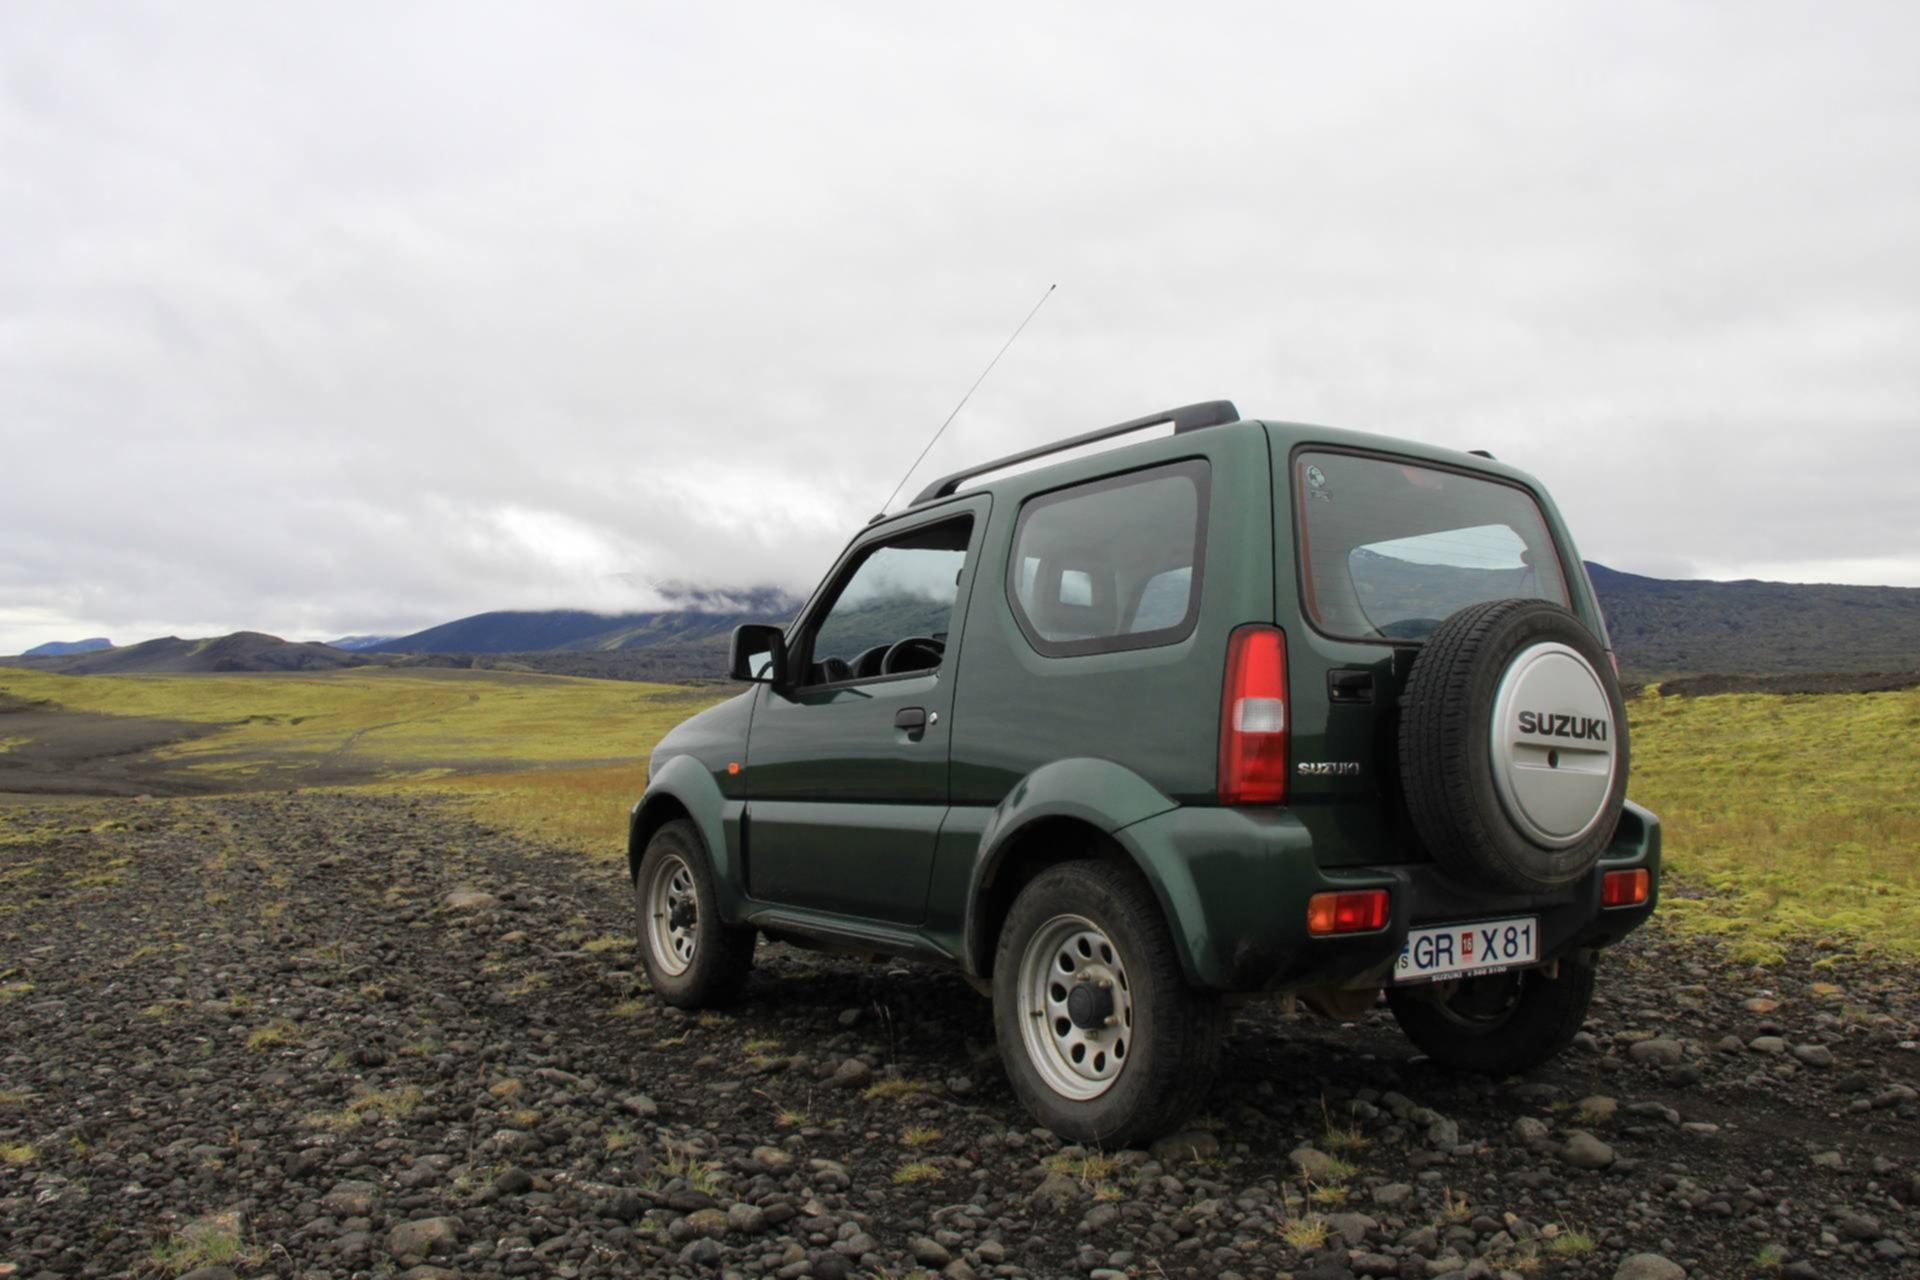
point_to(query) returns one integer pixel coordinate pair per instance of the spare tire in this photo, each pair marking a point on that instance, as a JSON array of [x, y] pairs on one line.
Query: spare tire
[[1513, 745]]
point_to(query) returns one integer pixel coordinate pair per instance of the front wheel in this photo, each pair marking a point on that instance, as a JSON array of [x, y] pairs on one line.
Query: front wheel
[[694, 959], [1102, 1038], [1498, 1024]]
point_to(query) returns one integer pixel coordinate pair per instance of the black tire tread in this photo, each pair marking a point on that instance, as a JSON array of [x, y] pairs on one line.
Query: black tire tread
[[723, 959], [1437, 708]]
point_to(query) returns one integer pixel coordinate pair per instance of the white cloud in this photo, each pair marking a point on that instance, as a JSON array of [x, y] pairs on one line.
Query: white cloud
[[322, 322]]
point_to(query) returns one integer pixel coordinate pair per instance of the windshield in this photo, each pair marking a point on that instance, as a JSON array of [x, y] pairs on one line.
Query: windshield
[[1388, 548]]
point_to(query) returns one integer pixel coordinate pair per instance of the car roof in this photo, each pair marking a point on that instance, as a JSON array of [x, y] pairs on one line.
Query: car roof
[[1207, 422]]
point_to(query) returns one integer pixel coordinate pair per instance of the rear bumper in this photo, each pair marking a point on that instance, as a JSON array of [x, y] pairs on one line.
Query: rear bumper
[[1235, 883]]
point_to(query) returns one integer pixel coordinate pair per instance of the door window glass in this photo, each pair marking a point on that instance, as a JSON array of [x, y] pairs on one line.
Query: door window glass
[[1113, 564], [892, 613]]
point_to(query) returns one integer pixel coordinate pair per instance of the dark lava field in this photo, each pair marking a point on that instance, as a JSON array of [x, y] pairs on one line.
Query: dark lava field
[[351, 1034]]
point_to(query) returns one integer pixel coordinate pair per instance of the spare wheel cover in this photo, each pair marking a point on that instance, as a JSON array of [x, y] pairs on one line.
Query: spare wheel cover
[[1554, 744]]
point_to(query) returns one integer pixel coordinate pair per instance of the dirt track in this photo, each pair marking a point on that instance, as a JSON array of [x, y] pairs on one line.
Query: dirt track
[[283, 1005]]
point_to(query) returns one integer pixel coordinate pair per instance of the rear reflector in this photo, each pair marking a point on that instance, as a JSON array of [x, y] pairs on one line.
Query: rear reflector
[[1356, 911], [1624, 888], [1253, 718]]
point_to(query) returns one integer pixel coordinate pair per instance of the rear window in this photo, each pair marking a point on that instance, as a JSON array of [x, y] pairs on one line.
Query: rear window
[[1110, 565], [1389, 548]]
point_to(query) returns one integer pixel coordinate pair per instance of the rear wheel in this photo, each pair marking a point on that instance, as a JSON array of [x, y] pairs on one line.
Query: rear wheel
[[693, 959], [1101, 1036], [1498, 1024]]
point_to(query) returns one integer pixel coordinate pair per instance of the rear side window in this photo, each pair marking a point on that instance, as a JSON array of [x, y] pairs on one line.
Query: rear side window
[[1389, 548], [1114, 564]]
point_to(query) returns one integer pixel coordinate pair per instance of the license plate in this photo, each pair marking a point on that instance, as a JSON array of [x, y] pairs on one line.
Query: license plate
[[1466, 950]]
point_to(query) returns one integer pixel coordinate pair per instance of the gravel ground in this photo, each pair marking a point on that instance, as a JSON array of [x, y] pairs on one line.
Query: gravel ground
[[333, 1034]]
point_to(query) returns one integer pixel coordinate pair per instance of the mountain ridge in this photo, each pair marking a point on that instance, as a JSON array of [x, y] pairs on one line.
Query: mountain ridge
[[712, 617], [64, 648], [1661, 628]]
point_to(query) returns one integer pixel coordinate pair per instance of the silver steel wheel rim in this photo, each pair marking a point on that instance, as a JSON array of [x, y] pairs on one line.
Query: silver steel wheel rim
[[1075, 1062], [672, 913]]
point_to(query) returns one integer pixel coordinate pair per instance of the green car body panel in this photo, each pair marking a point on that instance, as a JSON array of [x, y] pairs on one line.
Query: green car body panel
[[828, 822]]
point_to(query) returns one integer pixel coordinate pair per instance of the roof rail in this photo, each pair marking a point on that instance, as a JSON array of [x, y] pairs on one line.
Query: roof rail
[[1191, 417]]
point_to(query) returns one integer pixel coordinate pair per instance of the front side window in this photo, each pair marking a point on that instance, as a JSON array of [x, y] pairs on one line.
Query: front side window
[[1111, 565], [893, 611], [1389, 549]]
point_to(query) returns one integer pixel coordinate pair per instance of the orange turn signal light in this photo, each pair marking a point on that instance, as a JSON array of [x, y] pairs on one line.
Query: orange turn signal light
[[1625, 888], [1353, 911]]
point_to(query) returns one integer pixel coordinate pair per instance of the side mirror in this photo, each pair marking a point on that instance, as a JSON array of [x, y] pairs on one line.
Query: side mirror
[[759, 654]]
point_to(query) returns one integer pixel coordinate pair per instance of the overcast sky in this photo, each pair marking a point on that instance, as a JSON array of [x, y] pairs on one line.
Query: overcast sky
[[333, 318]]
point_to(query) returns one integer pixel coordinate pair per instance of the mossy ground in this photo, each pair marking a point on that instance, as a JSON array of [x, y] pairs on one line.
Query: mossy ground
[[1786, 816], [553, 756], [395, 719]]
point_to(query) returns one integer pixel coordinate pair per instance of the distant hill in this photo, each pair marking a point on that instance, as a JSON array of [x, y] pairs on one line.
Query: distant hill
[[241, 651], [703, 617], [61, 648], [1661, 629], [353, 644], [1664, 627]]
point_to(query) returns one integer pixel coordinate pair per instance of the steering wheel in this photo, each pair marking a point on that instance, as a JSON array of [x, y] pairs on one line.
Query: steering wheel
[[868, 663], [900, 657]]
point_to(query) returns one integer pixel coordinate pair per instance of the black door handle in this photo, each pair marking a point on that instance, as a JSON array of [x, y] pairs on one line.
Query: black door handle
[[1347, 685], [912, 719]]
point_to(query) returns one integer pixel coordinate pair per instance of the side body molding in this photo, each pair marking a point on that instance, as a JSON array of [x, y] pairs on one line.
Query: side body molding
[[684, 783]]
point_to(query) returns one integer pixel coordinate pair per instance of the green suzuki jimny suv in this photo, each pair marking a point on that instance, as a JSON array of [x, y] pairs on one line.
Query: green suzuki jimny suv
[[1245, 707]]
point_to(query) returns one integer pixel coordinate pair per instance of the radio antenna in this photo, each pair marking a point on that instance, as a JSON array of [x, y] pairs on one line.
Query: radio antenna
[[963, 399]]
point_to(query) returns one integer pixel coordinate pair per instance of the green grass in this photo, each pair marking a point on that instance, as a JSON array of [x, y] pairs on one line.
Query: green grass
[[275, 1034], [1571, 1244], [1799, 815], [557, 758], [898, 1087], [680, 1162], [1088, 1169], [580, 809], [395, 718], [917, 1171], [393, 1103], [202, 1245]]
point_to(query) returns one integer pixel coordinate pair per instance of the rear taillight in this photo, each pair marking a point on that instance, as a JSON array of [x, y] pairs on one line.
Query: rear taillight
[[1625, 888], [1354, 911], [1253, 718]]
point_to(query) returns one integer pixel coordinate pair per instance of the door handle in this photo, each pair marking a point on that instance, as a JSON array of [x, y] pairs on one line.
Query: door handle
[[912, 719], [1348, 685]]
